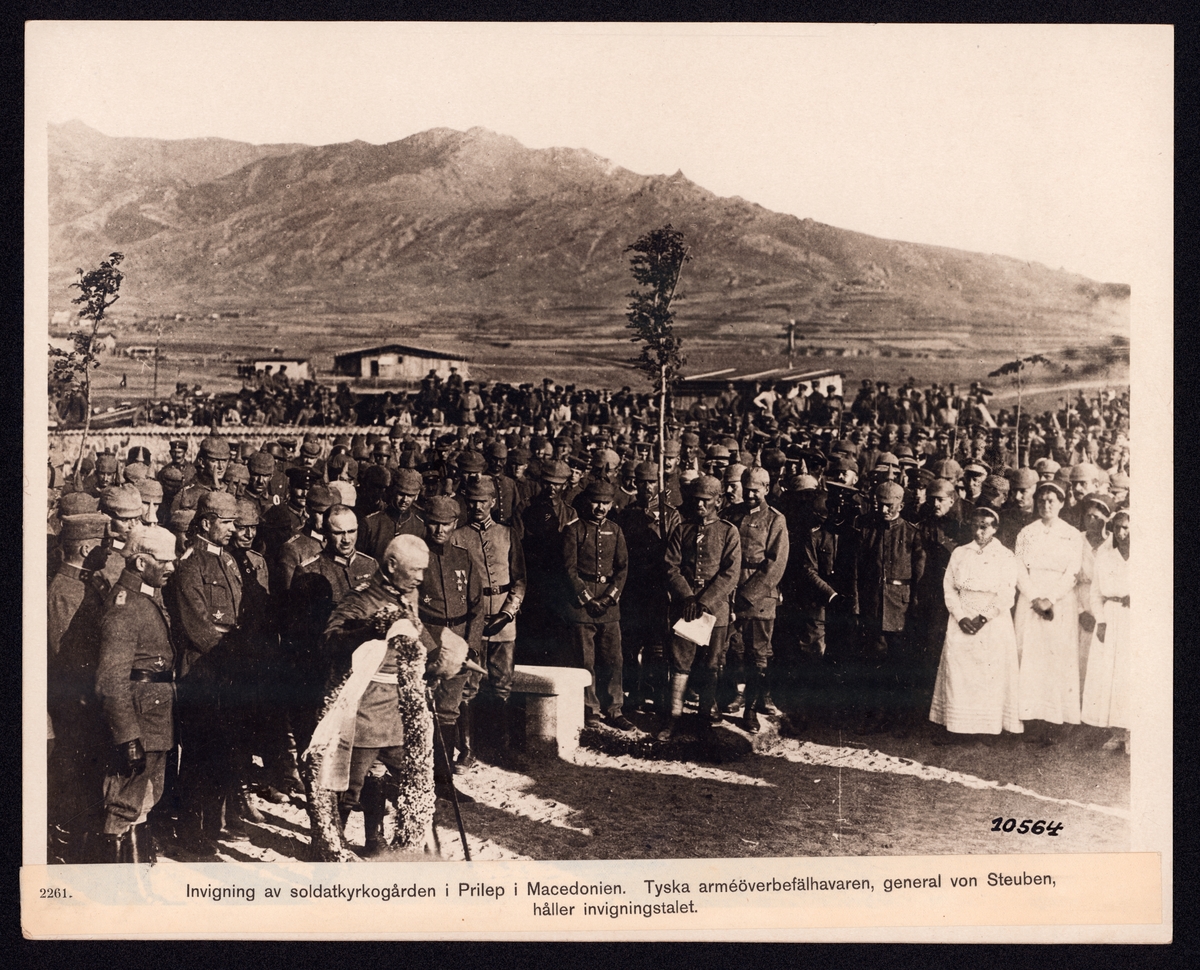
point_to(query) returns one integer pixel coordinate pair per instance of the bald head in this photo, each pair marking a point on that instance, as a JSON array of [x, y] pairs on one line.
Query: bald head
[[404, 562]]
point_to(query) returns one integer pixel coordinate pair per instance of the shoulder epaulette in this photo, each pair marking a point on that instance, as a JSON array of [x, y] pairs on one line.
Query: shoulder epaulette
[[309, 561], [362, 555], [188, 553]]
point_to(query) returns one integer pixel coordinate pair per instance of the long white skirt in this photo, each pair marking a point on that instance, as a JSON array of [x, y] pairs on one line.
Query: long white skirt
[[1048, 688], [976, 687], [1106, 690]]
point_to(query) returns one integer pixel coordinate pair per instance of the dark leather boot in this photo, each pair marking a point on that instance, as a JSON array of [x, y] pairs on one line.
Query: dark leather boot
[[374, 806], [141, 840], [753, 695], [466, 757], [443, 772]]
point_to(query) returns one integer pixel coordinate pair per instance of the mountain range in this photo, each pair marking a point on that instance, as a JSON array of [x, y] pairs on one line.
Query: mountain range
[[446, 226]]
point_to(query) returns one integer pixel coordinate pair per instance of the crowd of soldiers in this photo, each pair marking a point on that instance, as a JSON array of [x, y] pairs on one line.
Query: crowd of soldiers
[[337, 618]]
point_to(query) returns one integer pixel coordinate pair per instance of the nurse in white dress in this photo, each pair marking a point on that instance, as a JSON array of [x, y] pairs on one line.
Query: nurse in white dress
[[1106, 690], [1049, 565], [976, 687]]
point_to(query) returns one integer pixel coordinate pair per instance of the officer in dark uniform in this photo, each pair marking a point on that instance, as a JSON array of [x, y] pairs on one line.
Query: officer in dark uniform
[[399, 518], [647, 523], [262, 729], [941, 533], [318, 585], [703, 562], [305, 545], [76, 766], [1017, 512], [508, 501], [596, 561], [187, 471], [207, 602], [450, 597], [280, 522], [889, 565], [543, 521], [134, 684], [214, 462]]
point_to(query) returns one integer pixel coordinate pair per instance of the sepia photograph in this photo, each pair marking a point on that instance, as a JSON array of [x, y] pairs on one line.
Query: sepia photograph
[[595, 443]]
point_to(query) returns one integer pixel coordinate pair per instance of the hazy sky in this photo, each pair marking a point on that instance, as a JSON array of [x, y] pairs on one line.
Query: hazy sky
[[1044, 143]]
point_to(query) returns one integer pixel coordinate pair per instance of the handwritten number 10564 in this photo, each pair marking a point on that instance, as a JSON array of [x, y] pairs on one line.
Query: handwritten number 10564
[[1026, 827]]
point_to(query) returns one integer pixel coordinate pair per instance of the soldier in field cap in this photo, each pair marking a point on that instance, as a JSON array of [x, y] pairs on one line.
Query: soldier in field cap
[[703, 561], [890, 564], [596, 561], [134, 682]]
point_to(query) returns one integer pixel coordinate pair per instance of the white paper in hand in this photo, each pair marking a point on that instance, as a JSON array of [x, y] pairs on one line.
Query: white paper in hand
[[697, 631]]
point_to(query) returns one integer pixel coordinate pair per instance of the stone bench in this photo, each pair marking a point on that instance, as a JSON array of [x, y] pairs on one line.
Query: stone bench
[[552, 698]]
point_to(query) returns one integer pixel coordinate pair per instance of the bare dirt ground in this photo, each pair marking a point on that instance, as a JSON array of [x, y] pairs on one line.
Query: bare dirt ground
[[775, 794]]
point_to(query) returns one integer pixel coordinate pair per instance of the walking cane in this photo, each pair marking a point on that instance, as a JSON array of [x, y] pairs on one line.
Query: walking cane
[[440, 746]]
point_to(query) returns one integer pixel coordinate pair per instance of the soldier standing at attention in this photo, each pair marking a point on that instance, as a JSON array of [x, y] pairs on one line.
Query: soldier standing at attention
[[889, 565], [318, 586], [134, 683], [764, 543], [187, 471], [75, 769], [646, 523], [207, 599], [499, 560], [450, 597], [597, 562], [703, 560], [399, 518], [305, 545]]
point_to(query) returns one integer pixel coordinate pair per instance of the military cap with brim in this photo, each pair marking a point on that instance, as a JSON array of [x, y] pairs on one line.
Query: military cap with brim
[[1024, 478], [376, 476], [941, 488], [598, 492], [756, 478], [181, 519], [77, 503], [87, 525], [1084, 472], [311, 449], [150, 490], [1100, 501], [214, 448], [344, 493], [948, 469], [520, 455], [301, 478], [137, 472], [247, 513], [705, 486], [221, 504], [106, 462], [470, 463], [236, 472], [671, 448], [733, 474], [320, 498], [261, 463], [888, 492], [887, 460], [997, 483], [555, 472], [976, 467], [482, 489], [123, 501], [406, 481], [442, 510], [646, 471], [497, 449], [151, 540], [1046, 466]]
